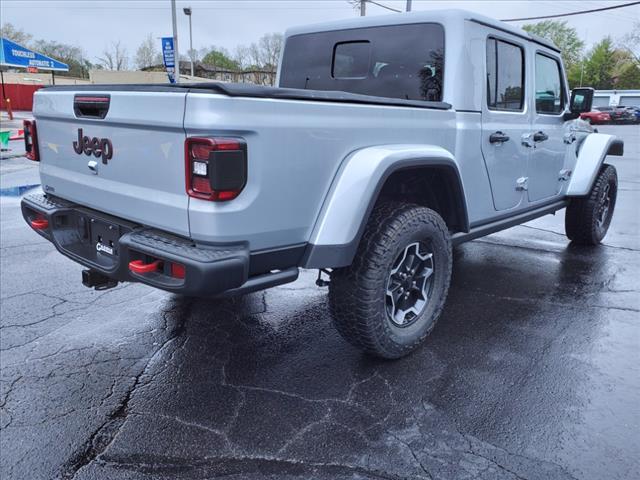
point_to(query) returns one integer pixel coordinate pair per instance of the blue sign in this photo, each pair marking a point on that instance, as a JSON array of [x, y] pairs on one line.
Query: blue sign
[[169, 57], [14, 55]]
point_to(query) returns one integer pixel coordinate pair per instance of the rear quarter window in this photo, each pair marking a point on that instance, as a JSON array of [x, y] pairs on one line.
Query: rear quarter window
[[398, 61], [351, 60]]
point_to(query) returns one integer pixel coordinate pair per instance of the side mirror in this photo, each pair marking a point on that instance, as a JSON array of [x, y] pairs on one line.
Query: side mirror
[[581, 101]]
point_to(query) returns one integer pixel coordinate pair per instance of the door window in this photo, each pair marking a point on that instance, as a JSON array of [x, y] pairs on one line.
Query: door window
[[505, 76], [549, 91]]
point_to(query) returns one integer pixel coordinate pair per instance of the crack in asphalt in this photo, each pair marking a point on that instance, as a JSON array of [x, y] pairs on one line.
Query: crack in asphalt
[[100, 440], [413, 454], [470, 440], [82, 306], [297, 396], [7, 392], [240, 464]]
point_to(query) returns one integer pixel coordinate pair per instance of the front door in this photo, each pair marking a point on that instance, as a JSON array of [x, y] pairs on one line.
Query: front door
[[505, 120], [548, 153]]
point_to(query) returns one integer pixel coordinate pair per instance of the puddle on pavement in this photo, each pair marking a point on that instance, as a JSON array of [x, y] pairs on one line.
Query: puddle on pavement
[[17, 191]]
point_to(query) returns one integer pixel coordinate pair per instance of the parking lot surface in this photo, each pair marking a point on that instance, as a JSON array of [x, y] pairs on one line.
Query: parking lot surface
[[533, 371]]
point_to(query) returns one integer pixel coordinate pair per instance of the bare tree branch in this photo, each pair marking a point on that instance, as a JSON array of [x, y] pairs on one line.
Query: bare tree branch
[[115, 57]]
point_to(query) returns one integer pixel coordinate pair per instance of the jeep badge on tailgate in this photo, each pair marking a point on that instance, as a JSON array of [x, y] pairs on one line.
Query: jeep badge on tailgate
[[99, 147]]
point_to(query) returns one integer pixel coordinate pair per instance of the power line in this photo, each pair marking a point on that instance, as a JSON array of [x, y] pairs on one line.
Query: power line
[[616, 15], [387, 7], [572, 13]]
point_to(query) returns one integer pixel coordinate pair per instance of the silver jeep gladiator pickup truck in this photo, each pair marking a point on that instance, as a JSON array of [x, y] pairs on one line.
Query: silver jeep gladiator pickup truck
[[388, 140]]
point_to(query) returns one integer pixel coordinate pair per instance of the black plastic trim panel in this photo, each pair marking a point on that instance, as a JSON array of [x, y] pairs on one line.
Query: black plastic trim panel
[[508, 221], [255, 91], [264, 261], [616, 148]]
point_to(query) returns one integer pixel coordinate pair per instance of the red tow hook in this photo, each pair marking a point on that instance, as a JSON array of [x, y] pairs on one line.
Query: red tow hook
[[138, 266], [40, 224]]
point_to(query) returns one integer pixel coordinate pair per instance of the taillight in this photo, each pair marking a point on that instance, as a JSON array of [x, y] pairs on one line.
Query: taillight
[[31, 140], [215, 168], [177, 270]]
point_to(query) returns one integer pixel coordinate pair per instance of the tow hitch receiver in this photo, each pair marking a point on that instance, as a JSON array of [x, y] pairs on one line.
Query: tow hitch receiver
[[93, 279]]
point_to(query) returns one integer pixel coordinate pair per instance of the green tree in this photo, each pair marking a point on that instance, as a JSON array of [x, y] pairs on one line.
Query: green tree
[[566, 39], [626, 73], [600, 64], [629, 77], [575, 75], [220, 58]]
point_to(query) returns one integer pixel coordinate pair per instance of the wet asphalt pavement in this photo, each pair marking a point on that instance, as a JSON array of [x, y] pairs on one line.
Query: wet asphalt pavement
[[533, 371]]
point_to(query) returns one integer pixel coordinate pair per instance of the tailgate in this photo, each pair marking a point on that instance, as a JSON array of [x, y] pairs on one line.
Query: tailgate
[[142, 178]]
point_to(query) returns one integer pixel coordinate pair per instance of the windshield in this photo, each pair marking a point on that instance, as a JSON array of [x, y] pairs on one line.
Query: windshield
[[399, 61]]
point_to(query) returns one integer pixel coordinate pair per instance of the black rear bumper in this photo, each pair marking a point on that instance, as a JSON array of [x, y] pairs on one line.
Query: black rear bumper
[[208, 269]]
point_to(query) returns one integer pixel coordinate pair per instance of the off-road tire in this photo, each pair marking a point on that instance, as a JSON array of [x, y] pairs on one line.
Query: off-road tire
[[581, 221], [357, 294]]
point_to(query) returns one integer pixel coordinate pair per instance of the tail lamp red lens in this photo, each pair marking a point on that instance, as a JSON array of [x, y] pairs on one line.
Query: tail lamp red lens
[[31, 140], [215, 168], [177, 270]]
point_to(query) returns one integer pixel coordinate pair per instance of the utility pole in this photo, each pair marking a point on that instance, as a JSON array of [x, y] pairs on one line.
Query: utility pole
[[176, 54], [187, 12], [363, 8], [408, 5]]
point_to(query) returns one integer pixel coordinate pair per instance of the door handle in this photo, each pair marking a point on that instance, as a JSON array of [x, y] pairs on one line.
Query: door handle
[[540, 137], [498, 137]]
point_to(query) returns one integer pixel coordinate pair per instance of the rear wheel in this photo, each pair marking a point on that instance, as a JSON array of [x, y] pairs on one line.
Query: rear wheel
[[389, 299], [587, 219]]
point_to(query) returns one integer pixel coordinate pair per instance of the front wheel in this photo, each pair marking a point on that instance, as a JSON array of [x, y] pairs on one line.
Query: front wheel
[[389, 299], [587, 219]]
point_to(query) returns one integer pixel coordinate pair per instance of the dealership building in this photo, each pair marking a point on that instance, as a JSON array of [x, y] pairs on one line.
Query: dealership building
[[612, 98]]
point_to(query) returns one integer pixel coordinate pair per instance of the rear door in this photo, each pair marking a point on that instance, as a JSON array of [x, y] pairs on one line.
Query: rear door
[[506, 118], [119, 152], [547, 157]]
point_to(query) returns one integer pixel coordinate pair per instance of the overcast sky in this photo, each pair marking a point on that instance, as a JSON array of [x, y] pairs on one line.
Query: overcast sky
[[93, 24]]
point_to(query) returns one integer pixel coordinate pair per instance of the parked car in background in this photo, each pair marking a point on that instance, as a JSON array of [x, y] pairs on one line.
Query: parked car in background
[[619, 114], [596, 117], [635, 114]]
